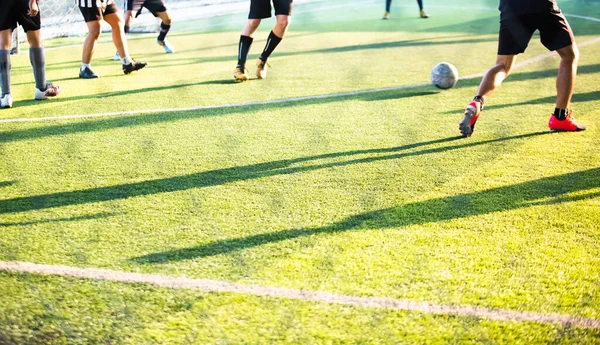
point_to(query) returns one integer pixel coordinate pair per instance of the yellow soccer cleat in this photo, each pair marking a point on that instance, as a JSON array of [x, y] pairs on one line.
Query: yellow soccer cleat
[[386, 15], [261, 69], [423, 14], [240, 74]]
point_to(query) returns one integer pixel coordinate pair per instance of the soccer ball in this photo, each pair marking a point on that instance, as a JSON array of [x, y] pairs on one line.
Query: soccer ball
[[444, 75]]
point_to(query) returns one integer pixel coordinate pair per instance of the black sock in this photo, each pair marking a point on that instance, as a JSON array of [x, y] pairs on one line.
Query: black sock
[[388, 4], [164, 30], [272, 43], [243, 49], [480, 99], [420, 2], [5, 71], [560, 114], [126, 29]]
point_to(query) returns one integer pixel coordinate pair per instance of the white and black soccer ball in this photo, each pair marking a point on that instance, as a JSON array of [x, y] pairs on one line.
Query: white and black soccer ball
[[444, 75]]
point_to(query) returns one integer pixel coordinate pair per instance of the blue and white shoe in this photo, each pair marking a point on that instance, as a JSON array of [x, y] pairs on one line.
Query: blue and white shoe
[[117, 57], [165, 44]]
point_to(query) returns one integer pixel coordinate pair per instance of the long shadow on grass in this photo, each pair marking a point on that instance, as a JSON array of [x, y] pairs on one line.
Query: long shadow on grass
[[525, 76], [108, 123], [59, 220], [233, 174], [422, 42], [430, 211], [7, 183], [577, 98]]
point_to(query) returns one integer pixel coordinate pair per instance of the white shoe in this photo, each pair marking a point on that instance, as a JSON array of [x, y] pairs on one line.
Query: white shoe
[[51, 91], [6, 101], [117, 57], [165, 44]]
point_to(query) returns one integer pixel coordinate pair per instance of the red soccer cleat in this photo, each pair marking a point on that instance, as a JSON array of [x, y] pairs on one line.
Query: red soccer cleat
[[467, 124], [566, 125]]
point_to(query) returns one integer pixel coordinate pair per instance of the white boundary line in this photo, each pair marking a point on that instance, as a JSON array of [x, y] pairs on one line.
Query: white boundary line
[[304, 295]]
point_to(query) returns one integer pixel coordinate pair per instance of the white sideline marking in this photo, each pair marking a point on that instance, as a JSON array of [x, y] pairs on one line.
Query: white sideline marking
[[277, 101], [221, 106], [304, 295]]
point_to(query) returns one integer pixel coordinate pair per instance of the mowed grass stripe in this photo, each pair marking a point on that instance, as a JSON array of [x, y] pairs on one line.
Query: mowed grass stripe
[[305, 295]]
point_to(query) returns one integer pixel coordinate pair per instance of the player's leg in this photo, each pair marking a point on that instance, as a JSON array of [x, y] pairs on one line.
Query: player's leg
[[92, 16], [556, 34], [567, 71], [89, 46], [388, 9], [5, 66], [8, 22], [113, 18], [165, 26], [128, 22], [43, 88], [514, 36], [246, 38], [490, 82], [422, 12], [283, 13], [29, 19]]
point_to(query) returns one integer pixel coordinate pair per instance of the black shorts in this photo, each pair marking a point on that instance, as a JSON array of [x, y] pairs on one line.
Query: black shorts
[[260, 9], [14, 12], [516, 32], [94, 10], [154, 6]]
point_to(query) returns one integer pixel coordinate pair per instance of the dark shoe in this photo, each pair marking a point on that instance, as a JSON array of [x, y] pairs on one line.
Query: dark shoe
[[87, 73], [133, 66]]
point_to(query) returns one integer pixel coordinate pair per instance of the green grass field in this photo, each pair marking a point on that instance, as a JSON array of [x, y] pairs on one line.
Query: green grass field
[[371, 194]]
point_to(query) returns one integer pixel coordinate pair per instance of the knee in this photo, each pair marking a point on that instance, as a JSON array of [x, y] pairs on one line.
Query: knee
[[503, 67], [167, 20], [253, 24], [283, 23], [94, 34], [570, 55]]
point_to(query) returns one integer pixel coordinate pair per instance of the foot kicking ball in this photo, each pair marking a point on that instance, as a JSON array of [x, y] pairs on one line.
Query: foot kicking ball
[[444, 75]]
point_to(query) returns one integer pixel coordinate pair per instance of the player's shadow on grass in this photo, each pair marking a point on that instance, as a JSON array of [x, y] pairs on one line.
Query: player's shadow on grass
[[545, 191], [59, 220], [525, 76], [235, 174], [7, 183], [141, 119], [422, 42]]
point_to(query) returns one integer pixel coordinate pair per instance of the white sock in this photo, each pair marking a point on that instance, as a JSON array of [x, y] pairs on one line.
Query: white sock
[[84, 65], [126, 60]]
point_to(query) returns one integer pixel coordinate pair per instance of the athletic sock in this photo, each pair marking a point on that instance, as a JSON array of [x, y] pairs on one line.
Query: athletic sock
[[164, 30], [272, 43], [420, 2], [126, 60], [480, 100], [38, 62], [560, 114], [84, 65], [5, 71], [388, 5], [126, 29], [244, 48]]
